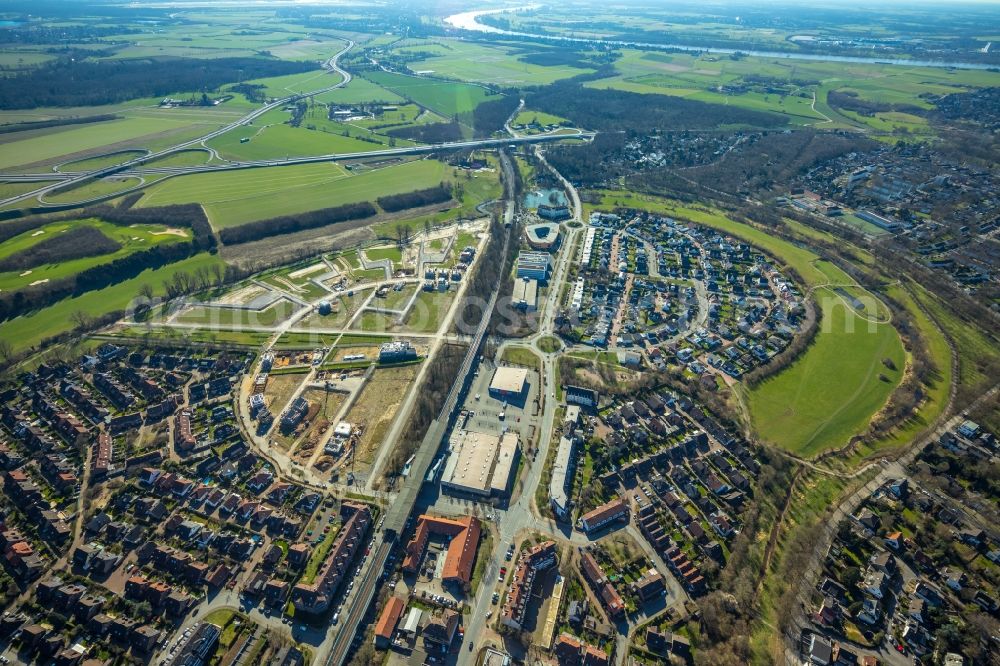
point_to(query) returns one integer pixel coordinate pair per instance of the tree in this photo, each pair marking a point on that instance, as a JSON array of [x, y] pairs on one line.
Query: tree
[[81, 320]]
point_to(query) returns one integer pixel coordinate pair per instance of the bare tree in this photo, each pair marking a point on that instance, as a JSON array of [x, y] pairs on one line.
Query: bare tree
[[81, 320]]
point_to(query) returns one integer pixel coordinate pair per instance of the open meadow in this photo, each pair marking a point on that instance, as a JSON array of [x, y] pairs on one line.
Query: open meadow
[[235, 197]]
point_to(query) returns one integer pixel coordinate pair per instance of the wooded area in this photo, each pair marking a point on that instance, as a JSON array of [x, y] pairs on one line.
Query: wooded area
[[432, 195], [67, 82]]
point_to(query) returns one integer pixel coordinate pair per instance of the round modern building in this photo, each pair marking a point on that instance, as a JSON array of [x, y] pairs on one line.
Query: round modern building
[[543, 236]]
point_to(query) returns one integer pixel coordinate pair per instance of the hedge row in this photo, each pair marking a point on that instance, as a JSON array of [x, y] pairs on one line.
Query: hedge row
[[288, 224]]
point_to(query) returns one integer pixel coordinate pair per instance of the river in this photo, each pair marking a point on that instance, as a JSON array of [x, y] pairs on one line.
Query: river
[[470, 21]]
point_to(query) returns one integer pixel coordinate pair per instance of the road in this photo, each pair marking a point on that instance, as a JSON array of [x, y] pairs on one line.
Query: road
[[522, 515], [825, 535], [137, 171], [331, 64], [372, 571]]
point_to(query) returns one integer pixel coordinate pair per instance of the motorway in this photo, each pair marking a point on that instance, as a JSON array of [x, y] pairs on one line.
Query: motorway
[[331, 64], [134, 167]]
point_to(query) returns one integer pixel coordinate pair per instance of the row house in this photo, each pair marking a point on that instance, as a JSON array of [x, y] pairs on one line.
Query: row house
[[605, 591], [81, 398]]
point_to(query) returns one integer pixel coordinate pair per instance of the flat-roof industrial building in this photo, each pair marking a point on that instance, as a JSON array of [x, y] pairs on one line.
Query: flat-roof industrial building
[[525, 294], [480, 463], [509, 382]]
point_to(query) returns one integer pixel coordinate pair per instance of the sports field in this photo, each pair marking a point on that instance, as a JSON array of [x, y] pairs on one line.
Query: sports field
[[234, 197], [132, 239]]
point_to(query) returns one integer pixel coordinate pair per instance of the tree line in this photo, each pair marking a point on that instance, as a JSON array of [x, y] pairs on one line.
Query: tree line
[[288, 224], [74, 243], [489, 117], [432, 195], [608, 110], [29, 299], [191, 216], [56, 122], [67, 82], [429, 133]]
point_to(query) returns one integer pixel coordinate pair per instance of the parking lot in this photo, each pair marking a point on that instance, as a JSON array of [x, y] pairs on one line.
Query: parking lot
[[494, 416]]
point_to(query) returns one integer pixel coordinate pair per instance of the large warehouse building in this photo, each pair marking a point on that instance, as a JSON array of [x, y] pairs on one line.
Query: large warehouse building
[[480, 463], [509, 383]]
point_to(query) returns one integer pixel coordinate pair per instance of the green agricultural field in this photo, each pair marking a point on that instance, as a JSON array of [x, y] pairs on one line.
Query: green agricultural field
[[14, 189], [280, 141], [101, 162], [403, 115], [359, 91], [446, 98], [92, 189], [483, 63], [141, 131], [529, 116], [183, 158], [23, 59], [291, 84], [718, 79], [234, 197], [132, 239], [29, 330]]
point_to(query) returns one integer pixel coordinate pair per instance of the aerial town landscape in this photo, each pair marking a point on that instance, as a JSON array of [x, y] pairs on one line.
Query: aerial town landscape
[[387, 334]]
